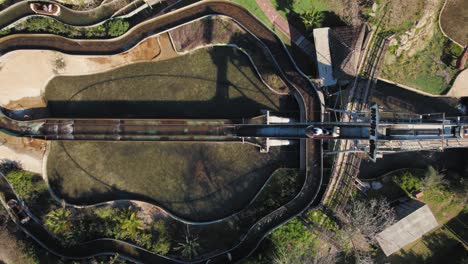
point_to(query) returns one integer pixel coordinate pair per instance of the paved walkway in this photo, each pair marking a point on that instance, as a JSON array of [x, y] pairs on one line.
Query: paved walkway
[[288, 30], [460, 86]]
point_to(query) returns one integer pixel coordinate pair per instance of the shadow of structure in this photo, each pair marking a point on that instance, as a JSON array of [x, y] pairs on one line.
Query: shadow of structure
[[298, 28]]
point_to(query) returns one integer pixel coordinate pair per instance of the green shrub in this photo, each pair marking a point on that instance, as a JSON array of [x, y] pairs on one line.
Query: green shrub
[[59, 221], [47, 25], [162, 244], [97, 31], [408, 182], [321, 219], [433, 179], [117, 27], [293, 235], [28, 185]]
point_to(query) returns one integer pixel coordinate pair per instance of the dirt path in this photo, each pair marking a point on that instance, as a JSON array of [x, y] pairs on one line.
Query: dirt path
[[283, 25], [24, 82], [460, 86], [28, 153]]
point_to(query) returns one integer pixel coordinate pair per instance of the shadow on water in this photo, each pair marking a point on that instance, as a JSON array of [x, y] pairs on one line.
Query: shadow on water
[[230, 99], [393, 97], [450, 159]]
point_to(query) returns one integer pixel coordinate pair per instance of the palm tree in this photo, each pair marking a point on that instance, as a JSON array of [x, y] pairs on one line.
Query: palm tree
[[131, 224], [433, 179], [59, 221], [312, 19], [189, 248]]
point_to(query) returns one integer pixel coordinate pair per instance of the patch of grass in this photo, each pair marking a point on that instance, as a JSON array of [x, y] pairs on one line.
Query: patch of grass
[[253, 7], [330, 13], [436, 247], [322, 220], [430, 70], [293, 242], [400, 15], [195, 180], [211, 83], [299, 7]]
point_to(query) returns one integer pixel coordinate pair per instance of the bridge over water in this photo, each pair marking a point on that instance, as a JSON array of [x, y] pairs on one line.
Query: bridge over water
[[375, 135]]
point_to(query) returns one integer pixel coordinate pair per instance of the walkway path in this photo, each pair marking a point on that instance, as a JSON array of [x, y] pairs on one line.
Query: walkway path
[[283, 25], [460, 86]]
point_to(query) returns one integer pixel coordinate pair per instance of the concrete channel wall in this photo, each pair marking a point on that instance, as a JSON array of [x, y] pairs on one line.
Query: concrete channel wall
[[305, 92]]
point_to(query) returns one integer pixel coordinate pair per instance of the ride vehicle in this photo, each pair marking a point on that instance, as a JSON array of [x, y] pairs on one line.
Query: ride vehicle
[[461, 131], [322, 132], [17, 211], [44, 8]]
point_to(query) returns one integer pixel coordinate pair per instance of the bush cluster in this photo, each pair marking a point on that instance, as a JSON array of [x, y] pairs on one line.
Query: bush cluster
[[112, 28], [114, 223]]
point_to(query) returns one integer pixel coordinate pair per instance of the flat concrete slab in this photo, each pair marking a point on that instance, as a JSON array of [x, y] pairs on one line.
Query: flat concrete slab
[[460, 86], [410, 228], [324, 61]]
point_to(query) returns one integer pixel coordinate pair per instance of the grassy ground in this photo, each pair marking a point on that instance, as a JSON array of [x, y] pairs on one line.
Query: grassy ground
[[293, 10], [299, 7], [215, 83], [197, 181], [253, 7], [400, 15], [431, 70]]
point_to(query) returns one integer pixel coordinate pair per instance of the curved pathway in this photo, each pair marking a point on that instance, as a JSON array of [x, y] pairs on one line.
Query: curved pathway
[[460, 86], [305, 92]]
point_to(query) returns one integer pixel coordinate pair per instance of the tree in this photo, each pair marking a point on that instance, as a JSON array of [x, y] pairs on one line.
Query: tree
[[189, 248], [130, 224], [162, 244], [363, 257], [117, 27], [27, 185], [433, 179], [326, 255], [312, 19], [59, 221], [370, 217]]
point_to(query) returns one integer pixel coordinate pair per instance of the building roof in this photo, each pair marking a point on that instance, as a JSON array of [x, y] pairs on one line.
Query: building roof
[[346, 44], [324, 61], [417, 219]]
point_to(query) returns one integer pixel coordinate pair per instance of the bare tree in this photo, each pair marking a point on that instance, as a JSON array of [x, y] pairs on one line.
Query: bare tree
[[369, 217], [326, 255], [363, 257]]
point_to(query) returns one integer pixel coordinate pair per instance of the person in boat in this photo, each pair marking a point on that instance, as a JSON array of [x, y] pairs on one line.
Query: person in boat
[[317, 131]]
